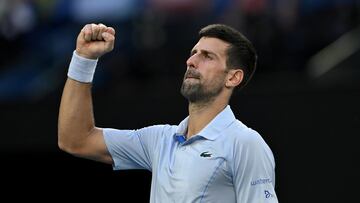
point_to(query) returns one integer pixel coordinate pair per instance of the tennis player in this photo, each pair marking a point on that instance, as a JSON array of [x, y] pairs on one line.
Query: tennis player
[[210, 156]]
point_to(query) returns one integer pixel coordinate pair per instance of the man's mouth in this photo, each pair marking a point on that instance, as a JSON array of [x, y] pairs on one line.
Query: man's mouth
[[192, 74], [193, 77]]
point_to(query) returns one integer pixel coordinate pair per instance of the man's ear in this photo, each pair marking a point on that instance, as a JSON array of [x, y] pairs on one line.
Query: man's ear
[[234, 78]]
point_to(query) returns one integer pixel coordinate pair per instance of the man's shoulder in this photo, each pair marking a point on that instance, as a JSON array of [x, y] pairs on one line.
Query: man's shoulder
[[241, 133], [245, 139], [164, 129]]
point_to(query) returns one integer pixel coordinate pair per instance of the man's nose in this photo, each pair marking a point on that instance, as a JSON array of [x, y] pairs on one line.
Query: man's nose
[[192, 61]]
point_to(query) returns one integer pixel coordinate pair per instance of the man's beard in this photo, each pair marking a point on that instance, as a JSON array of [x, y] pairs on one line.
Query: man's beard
[[196, 92]]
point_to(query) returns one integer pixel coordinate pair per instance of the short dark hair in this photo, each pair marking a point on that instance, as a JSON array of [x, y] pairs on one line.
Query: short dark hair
[[241, 53]]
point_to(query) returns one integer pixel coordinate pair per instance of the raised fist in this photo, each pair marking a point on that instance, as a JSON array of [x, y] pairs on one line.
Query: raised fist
[[95, 40]]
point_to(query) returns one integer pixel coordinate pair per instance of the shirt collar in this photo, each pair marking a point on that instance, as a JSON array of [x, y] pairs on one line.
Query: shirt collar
[[213, 129]]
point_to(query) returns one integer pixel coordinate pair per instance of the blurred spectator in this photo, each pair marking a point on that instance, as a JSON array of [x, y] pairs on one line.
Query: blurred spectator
[[16, 17], [286, 13], [85, 11], [184, 7], [253, 7]]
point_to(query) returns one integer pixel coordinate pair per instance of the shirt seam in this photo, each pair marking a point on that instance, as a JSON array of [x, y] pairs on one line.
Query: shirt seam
[[210, 180], [142, 146]]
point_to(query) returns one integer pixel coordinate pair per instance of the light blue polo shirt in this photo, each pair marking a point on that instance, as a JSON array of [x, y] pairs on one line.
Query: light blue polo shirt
[[225, 162]]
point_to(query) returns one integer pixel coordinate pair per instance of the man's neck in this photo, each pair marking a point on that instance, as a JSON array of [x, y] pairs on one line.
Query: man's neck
[[200, 114]]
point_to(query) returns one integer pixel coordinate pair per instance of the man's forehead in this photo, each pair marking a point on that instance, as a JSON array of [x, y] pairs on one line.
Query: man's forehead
[[211, 44]]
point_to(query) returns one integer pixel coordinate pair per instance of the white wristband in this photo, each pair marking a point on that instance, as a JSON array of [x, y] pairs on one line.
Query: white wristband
[[82, 69]]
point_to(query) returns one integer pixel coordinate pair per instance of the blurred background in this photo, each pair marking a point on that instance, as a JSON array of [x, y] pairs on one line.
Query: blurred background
[[304, 98]]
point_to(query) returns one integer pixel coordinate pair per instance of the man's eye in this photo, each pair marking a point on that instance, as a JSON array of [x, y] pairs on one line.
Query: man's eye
[[207, 56]]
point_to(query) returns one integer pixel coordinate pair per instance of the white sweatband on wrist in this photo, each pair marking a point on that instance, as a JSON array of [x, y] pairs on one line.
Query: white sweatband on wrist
[[82, 69]]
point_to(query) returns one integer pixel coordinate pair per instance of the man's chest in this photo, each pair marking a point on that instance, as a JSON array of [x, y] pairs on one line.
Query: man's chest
[[194, 168]]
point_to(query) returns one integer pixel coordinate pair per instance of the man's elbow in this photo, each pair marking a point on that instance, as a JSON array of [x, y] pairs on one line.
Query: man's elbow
[[68, 147], [62, 146], [75, 151]]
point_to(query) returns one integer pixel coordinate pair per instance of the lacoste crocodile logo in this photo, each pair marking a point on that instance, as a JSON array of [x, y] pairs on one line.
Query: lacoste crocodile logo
[[205, 154]]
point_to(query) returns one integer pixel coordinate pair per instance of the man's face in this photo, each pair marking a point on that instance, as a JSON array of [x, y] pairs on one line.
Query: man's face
[[206, 70]]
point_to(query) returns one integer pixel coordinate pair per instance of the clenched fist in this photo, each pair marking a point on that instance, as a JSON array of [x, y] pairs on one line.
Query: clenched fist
[[95, 40]]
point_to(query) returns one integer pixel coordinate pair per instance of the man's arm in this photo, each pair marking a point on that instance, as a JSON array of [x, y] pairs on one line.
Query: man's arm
[[77, 133], [254, 170]]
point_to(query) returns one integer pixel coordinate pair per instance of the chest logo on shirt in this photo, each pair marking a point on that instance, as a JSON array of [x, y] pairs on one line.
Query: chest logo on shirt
[[205, 154]]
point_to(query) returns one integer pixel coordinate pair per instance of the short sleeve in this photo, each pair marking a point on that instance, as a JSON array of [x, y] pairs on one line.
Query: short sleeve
[[133, 149], [254, 170]]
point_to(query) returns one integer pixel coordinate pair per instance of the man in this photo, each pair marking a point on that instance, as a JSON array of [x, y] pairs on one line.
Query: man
[[209, 157]]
